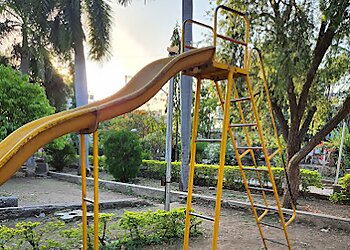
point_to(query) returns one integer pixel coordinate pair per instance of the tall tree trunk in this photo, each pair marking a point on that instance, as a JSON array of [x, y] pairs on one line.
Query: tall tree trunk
[[80, 84], [24, 68], [293, 173], [186, 101]]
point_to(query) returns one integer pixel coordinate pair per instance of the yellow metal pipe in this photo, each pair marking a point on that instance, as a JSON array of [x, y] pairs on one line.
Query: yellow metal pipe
[[222, 159], [192, 162], [83, 188], [95, 155]]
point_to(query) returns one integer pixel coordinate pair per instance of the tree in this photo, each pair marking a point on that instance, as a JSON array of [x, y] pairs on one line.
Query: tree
[[186, 100], [20, 101], [306, 46], [123, 154], [67, 34], [27, 20]]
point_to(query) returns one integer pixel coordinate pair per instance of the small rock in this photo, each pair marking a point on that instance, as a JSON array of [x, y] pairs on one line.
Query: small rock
[[42, 215], [211, 188], [325, 230]]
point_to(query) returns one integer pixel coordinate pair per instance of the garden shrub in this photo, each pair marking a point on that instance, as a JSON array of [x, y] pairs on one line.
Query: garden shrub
[[61, 152], [147, 228], [343, 196], [206, 175], [101, 162], [133, 230], [123, 154], [309, 178]]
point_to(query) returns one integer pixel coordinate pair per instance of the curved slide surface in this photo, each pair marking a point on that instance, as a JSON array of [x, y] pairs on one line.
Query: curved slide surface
[[25, 141]]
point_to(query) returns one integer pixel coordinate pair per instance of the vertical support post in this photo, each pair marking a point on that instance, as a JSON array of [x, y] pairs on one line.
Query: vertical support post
[[83, 189], [95, 155], [169, 135], [340, 153], [192, 162], [222, 159]]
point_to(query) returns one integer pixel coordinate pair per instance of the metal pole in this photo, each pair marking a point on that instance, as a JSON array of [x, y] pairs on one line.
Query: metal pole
[[95, 153], [169, 132], [83, 189], [340, 153]]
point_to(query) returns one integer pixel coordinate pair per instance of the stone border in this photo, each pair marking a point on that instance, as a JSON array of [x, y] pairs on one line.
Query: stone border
[[320, 220], [31, 211]]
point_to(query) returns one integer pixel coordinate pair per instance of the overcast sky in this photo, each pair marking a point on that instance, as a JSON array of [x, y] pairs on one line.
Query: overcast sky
[[140, 35]]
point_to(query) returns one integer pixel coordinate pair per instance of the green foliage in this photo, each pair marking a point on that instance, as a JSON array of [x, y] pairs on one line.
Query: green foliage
[[101, 162], [154, 145], [20, 101], [61, 152], [149, 128], [309, 178], [207, 175], [32, 235], [133, 230], [147, 228], [345, 181], [343, 196], [123, 154]]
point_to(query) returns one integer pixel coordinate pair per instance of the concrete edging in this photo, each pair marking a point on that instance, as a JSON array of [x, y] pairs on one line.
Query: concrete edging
[[320, 220], [31, 211]]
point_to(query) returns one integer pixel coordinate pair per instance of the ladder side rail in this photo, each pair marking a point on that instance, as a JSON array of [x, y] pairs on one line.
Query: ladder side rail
[[192, 163]]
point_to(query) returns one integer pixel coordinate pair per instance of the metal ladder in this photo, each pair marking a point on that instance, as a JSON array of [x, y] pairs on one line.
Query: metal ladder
[[227, 101]]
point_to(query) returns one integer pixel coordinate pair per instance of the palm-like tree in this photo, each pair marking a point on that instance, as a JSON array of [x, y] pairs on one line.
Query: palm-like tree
[[24, 28], [68, 35]]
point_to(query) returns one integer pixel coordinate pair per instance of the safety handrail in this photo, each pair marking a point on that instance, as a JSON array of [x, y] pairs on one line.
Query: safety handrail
[[246, 38], [183, 33]]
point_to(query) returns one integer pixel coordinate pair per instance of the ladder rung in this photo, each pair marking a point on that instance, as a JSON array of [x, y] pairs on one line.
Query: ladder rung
[[254, 148], [256, 169], [261, 189], [244, 153], [239, 125], [208, 140], [272, 210], [202, 216], [247, 98], [89, 200], [274, 154], [275, 241], [270, 225]]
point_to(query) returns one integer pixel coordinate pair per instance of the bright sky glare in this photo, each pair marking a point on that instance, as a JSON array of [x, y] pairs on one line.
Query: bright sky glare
[[140, 35]]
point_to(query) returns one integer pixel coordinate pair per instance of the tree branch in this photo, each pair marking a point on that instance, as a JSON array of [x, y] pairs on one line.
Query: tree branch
[[304, 128], [323, 43], [343, 112], [292, 99], [281, 120]]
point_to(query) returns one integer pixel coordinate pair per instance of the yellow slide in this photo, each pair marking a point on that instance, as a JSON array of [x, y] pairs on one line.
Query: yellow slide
[[25, 141]]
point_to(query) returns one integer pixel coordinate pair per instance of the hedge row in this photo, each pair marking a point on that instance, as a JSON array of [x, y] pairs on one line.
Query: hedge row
[[206, 175]]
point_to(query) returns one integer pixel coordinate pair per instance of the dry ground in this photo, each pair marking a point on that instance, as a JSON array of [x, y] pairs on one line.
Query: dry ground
[[237, 228]]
